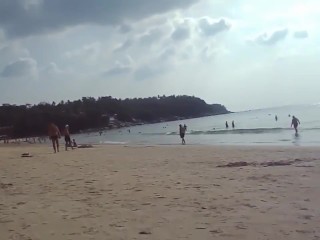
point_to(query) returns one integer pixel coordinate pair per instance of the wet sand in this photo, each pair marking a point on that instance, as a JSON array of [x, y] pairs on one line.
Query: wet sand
[[160, 192]]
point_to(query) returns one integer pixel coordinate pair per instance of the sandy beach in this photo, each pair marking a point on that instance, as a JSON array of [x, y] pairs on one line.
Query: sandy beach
[[160, 192]]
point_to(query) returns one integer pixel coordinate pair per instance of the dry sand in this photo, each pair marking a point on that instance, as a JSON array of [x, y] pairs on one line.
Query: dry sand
[[161, 192]]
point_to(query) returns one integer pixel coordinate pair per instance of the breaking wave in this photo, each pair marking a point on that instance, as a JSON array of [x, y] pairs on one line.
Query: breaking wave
[[233, 131]]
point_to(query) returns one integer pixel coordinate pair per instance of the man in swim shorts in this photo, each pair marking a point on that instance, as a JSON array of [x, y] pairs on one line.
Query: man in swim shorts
[[182, 132], [54, 135], [67, 138], [295, 123]]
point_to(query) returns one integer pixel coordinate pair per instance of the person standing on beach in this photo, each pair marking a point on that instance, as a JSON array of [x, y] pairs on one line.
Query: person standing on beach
[[227, 125], [54, 135], [295, 123], [182, 132], [233, 126], [67, 138], [276, 118]]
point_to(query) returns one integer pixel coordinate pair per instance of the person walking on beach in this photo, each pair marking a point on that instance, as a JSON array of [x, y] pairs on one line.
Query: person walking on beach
[[295, 123], [67, 138], [227, 125], [233, 126], [54, 135], [182, 132]]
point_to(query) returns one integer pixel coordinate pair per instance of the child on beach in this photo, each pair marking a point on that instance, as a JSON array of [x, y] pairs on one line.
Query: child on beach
[[74, 144]]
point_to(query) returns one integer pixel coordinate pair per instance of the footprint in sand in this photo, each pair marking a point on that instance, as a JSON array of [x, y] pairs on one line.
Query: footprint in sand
[[304, 209], [249, 205], [241, 226], [307, 217]]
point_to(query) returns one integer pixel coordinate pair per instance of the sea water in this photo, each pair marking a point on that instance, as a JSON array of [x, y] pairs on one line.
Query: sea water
[[255, 127]]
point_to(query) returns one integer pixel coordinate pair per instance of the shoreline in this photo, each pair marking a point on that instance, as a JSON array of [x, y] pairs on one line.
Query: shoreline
[[205, 145], [132, 124]]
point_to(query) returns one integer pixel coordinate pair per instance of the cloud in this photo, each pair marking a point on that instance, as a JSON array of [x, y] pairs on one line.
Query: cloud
[[87, 51], [124, 46], [273, 38], [207, 54], [147, 72], [153, 35], [301, 34], [181, 32], [125, 28], [120, 67], [24, 67], [118, 70], [156, 66], [11, 53], [167, 54], [145, 39], [210, 28], [24, 18], [52, 69]]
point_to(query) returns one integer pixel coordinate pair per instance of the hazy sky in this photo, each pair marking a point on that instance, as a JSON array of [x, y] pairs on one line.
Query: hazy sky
[[241, 53]]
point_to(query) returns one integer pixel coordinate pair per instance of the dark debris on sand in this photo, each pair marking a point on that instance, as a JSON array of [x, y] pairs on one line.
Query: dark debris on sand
[[85, 146], [263, 164]]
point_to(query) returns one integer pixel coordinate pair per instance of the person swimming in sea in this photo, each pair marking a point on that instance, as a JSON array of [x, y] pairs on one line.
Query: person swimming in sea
[[295, 123]]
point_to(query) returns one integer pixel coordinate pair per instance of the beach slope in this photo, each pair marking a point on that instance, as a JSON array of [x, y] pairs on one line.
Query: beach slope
[[160, 192]]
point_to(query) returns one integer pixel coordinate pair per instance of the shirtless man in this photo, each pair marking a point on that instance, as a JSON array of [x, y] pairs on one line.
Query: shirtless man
[[295, 122], [182, 132], [67, 138], [54, 135]]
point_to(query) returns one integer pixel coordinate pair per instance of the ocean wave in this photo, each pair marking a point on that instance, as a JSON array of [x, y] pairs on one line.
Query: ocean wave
[[234, 131], [237, 131], [242, 131]]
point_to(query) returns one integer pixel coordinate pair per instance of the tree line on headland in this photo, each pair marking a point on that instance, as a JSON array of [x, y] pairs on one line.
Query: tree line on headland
[[91, 113]]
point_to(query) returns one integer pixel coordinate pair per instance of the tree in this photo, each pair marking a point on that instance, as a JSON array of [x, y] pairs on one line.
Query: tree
[[89, 112]]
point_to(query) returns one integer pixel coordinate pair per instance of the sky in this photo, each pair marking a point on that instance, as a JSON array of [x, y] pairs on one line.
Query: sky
[[244, 54]]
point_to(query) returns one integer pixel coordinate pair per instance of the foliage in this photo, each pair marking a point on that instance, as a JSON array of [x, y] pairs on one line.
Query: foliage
[[89, 113]]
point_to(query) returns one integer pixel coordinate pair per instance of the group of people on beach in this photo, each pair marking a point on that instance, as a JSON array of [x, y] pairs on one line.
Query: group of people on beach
[[54, 135]]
